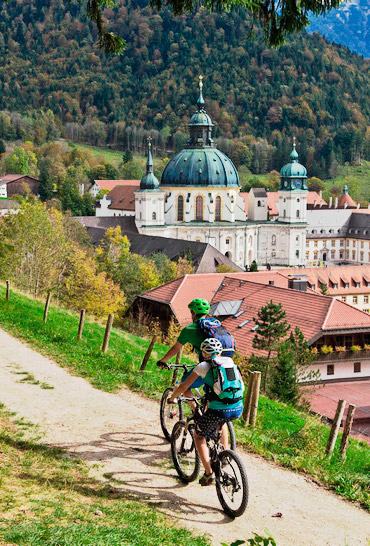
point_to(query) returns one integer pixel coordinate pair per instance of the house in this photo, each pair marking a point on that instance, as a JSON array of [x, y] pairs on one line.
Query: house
[[109, 185], [120, 201], [18, 184], [236, 299]]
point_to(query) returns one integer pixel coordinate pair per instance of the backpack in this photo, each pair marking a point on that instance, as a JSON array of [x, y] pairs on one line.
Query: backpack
[[212, 327], [228, 386]]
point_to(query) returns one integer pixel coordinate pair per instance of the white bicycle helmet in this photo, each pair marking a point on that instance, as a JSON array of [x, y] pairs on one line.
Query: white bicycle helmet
[[211, 347]]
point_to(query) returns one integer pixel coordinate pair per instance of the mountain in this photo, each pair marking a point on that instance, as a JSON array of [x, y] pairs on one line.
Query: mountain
[[309, 88], [349, 25]]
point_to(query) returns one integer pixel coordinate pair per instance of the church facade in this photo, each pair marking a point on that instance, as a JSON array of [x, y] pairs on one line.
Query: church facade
[[198, 199]]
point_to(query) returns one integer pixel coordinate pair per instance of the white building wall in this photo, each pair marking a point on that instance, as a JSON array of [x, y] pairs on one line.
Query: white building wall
[[342, 369], [3, 190], [149, 208], [292, 206]]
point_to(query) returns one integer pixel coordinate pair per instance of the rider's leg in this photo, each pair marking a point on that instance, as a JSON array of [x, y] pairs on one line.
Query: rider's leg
[[203, 452], [224, 440]]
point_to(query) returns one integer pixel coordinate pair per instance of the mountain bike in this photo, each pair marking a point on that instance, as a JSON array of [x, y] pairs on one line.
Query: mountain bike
[[230, 474], [171, 413]]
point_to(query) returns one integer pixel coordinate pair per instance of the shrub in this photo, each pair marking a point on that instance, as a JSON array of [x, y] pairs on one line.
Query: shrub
[[326, 349], [356, 348]]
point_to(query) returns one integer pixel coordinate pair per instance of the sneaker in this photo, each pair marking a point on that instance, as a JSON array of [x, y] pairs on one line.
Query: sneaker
[[206, 479]]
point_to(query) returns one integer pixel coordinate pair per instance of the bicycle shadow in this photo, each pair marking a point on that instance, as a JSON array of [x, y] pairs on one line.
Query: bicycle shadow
[[139, 464]]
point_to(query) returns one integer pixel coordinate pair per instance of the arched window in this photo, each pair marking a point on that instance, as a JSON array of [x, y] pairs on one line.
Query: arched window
[[180, 208], [273, 240], [199, 209], [154, 215], [284, 215], [259, 204], [297, 213], [218, 209]]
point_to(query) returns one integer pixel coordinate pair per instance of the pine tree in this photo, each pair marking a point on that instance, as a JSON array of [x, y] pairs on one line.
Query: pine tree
[[284, 384], [271, 329], [253, 266], [46, 182]]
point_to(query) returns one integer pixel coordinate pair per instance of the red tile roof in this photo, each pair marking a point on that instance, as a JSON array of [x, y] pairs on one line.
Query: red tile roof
[[123, 197], [335, 275], [111, 184], [312, 313], [346, 199]]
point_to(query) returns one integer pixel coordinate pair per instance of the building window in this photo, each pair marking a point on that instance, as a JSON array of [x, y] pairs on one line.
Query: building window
[[154, 215], [284, 214], [353, 243], [332, 254], [199, 208], [344, 298], [366, 299], [354, 299], [297, 239], [361, 256], [333, 242], [227, 241], [353, 254], [330, 369], [315, 243], [362, 244], [297, 213], [259, 204], [315, 255], [307, 254], [357, 367], [341, 255], [218, 209], [273, 240], [297, 253], [347, 254], [180, 208]]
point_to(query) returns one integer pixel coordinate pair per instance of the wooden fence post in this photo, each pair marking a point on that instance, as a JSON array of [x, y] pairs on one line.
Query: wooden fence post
[[46, 308], [255, 398], [248, 398], [335, 427], [148, 353], [81, 324], [176, 371], [347, 430], [107, 332], [7, 291]]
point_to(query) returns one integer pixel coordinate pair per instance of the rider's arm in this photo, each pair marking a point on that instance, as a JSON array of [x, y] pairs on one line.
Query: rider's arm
[[172, 352], [184, 386]]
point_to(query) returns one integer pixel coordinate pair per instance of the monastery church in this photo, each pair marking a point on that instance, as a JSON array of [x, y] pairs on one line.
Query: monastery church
[[198, 199]]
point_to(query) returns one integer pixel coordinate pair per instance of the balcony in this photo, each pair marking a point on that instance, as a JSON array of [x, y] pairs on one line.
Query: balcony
[[343, 355]]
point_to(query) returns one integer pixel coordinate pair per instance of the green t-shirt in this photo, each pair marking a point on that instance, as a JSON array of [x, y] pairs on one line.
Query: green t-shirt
[[192, 334]]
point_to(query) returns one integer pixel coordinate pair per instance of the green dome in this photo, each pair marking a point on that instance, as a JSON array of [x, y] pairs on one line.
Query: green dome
[[293, 169], [200, 167], [201, 118]]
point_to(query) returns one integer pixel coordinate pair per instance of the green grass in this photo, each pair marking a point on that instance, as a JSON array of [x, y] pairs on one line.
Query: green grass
[[48, 499], [356, 178], [109, 156], [283, 434]]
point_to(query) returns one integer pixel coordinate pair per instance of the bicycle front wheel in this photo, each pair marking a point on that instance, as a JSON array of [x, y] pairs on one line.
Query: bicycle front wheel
[[232, 484], [184, 454], [170, 414]]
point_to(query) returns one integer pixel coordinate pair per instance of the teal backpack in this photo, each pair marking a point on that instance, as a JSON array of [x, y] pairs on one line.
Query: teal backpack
[[228, 381]]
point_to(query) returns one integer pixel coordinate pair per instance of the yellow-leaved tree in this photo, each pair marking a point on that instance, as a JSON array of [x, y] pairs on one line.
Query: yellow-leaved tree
[[85, 287]]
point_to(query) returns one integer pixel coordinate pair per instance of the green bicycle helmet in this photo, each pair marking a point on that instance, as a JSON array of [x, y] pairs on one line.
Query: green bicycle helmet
[[199, 306]]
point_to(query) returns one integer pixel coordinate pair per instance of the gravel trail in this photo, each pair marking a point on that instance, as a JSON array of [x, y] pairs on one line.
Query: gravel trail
[[121, 432]]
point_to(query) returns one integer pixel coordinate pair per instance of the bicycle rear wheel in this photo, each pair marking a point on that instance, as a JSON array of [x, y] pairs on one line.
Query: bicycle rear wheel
[[184, 454], [232, 437], [169, 414], [232, 484]]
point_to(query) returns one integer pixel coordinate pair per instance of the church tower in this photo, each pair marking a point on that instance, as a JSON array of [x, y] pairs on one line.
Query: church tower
[[149, 200], [293, 191]]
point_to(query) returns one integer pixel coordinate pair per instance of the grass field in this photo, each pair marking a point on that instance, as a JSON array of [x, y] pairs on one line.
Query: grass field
[[48, 499], [110, 156], [283, 434], [356, 178]]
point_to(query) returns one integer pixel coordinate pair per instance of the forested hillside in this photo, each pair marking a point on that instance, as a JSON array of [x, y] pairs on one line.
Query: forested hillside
[[307, 87]]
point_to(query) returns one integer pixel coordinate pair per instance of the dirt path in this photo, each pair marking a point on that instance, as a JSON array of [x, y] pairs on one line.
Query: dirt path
[[121, 431]]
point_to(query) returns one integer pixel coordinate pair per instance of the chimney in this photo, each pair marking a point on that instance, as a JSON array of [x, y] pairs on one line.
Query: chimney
[[358, 205], [336, 203], [298, 282], [320, 193], [345, 205], [330, 202]]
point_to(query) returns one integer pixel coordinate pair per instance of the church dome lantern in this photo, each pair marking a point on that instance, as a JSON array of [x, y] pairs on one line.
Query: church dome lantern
[[293, 174], [200, 163]]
